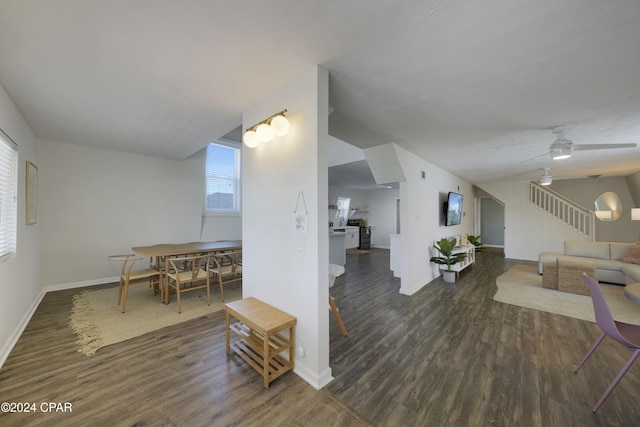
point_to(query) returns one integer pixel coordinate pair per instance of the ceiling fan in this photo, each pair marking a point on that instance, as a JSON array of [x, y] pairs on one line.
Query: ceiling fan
[[562, 148], [546, 178]]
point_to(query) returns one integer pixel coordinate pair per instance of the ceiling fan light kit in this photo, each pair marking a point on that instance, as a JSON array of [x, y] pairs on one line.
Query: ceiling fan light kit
[[561, 148], [546, 179]]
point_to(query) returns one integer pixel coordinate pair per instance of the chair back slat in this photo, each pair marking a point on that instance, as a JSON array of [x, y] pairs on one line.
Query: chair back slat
[[191, 271], [130, 278]]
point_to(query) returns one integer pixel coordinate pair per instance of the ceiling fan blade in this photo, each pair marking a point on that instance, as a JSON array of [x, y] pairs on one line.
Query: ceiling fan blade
[[534, 158], [585, 147]]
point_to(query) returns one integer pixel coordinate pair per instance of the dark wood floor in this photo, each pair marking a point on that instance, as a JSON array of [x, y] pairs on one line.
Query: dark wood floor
[[448, 355], [178, 376]]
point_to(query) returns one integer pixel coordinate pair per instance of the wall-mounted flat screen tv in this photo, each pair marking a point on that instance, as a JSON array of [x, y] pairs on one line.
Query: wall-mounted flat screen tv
[[454, 209]]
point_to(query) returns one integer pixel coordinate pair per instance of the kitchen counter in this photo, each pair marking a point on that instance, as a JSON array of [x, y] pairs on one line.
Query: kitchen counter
[[345, 228]]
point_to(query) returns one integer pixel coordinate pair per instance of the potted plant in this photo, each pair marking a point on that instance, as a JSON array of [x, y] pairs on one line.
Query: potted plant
[[475, 241], [448, 258]]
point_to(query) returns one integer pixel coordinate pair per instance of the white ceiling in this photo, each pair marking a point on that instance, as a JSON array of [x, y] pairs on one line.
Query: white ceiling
[[473, 86]]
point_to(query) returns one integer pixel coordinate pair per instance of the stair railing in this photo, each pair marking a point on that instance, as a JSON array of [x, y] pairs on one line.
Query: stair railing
[[563, 209]]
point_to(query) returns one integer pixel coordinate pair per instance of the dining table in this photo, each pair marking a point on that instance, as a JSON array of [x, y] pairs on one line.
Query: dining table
[[163, 251]]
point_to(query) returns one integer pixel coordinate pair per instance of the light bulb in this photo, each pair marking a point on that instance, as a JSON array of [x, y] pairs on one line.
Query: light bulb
[[250, 139], [280, 125], [265, 132]]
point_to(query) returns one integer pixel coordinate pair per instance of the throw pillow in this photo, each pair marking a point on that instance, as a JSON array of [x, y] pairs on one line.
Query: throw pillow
[[633, 255]]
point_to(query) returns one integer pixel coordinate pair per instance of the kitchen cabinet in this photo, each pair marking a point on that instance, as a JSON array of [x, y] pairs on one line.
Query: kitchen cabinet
[[352, 237]]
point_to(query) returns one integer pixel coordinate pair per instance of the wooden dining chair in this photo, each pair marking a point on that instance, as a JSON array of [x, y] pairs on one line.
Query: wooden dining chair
[[188, 273], [226, 267], [130, 278]]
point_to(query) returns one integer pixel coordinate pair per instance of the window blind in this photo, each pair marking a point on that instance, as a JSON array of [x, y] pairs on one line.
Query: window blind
[[8, 196], [222, 178]]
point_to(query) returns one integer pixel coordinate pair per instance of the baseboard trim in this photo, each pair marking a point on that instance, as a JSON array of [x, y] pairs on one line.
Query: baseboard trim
[[6, 350], [411, 290], [73, 285], [316, 381], [20, 328]]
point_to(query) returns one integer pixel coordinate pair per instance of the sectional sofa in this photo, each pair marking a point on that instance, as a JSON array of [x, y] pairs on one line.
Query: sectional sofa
[[615, 262]]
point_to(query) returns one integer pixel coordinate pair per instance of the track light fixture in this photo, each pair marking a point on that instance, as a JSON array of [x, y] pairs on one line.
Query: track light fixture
[[264, 131]]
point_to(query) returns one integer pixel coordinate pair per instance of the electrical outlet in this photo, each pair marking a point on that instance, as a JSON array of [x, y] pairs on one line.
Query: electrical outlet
[[302, 348]]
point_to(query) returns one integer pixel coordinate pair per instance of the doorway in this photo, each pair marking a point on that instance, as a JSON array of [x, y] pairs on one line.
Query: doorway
[[491, 222]]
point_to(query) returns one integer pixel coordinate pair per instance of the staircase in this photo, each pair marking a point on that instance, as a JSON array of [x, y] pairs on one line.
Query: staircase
[[559, 207]]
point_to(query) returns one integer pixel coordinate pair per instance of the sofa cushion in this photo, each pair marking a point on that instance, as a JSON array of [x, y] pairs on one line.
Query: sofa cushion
[[619, 250], [606, 264], [632, 271], [616, 277], [588, 249], [633, 255]]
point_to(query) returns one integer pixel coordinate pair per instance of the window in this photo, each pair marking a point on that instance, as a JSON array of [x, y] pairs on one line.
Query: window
[[8, 196], [223, 178], [343, 210]]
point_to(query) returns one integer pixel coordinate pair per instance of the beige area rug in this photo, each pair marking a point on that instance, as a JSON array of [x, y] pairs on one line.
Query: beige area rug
[[98, 321], [522, 285]]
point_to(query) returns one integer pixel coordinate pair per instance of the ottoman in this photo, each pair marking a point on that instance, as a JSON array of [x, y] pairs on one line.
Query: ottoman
[[570, 275], [550, 275]]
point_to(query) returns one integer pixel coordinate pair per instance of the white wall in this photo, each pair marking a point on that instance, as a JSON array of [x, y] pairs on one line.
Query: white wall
[[381, 210], [585, 191], [20, 276], [98, 202], [421, 219], [382, 216], [93, 203], [528, 231], [284, 267], [221, 227], [340, 152], [633, 183]]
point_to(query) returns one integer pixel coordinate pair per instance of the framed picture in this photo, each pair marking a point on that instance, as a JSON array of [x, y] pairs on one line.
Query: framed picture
[[32, 193]]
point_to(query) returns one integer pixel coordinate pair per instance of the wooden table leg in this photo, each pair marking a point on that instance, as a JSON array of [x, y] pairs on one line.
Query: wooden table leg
[[334, 309]]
